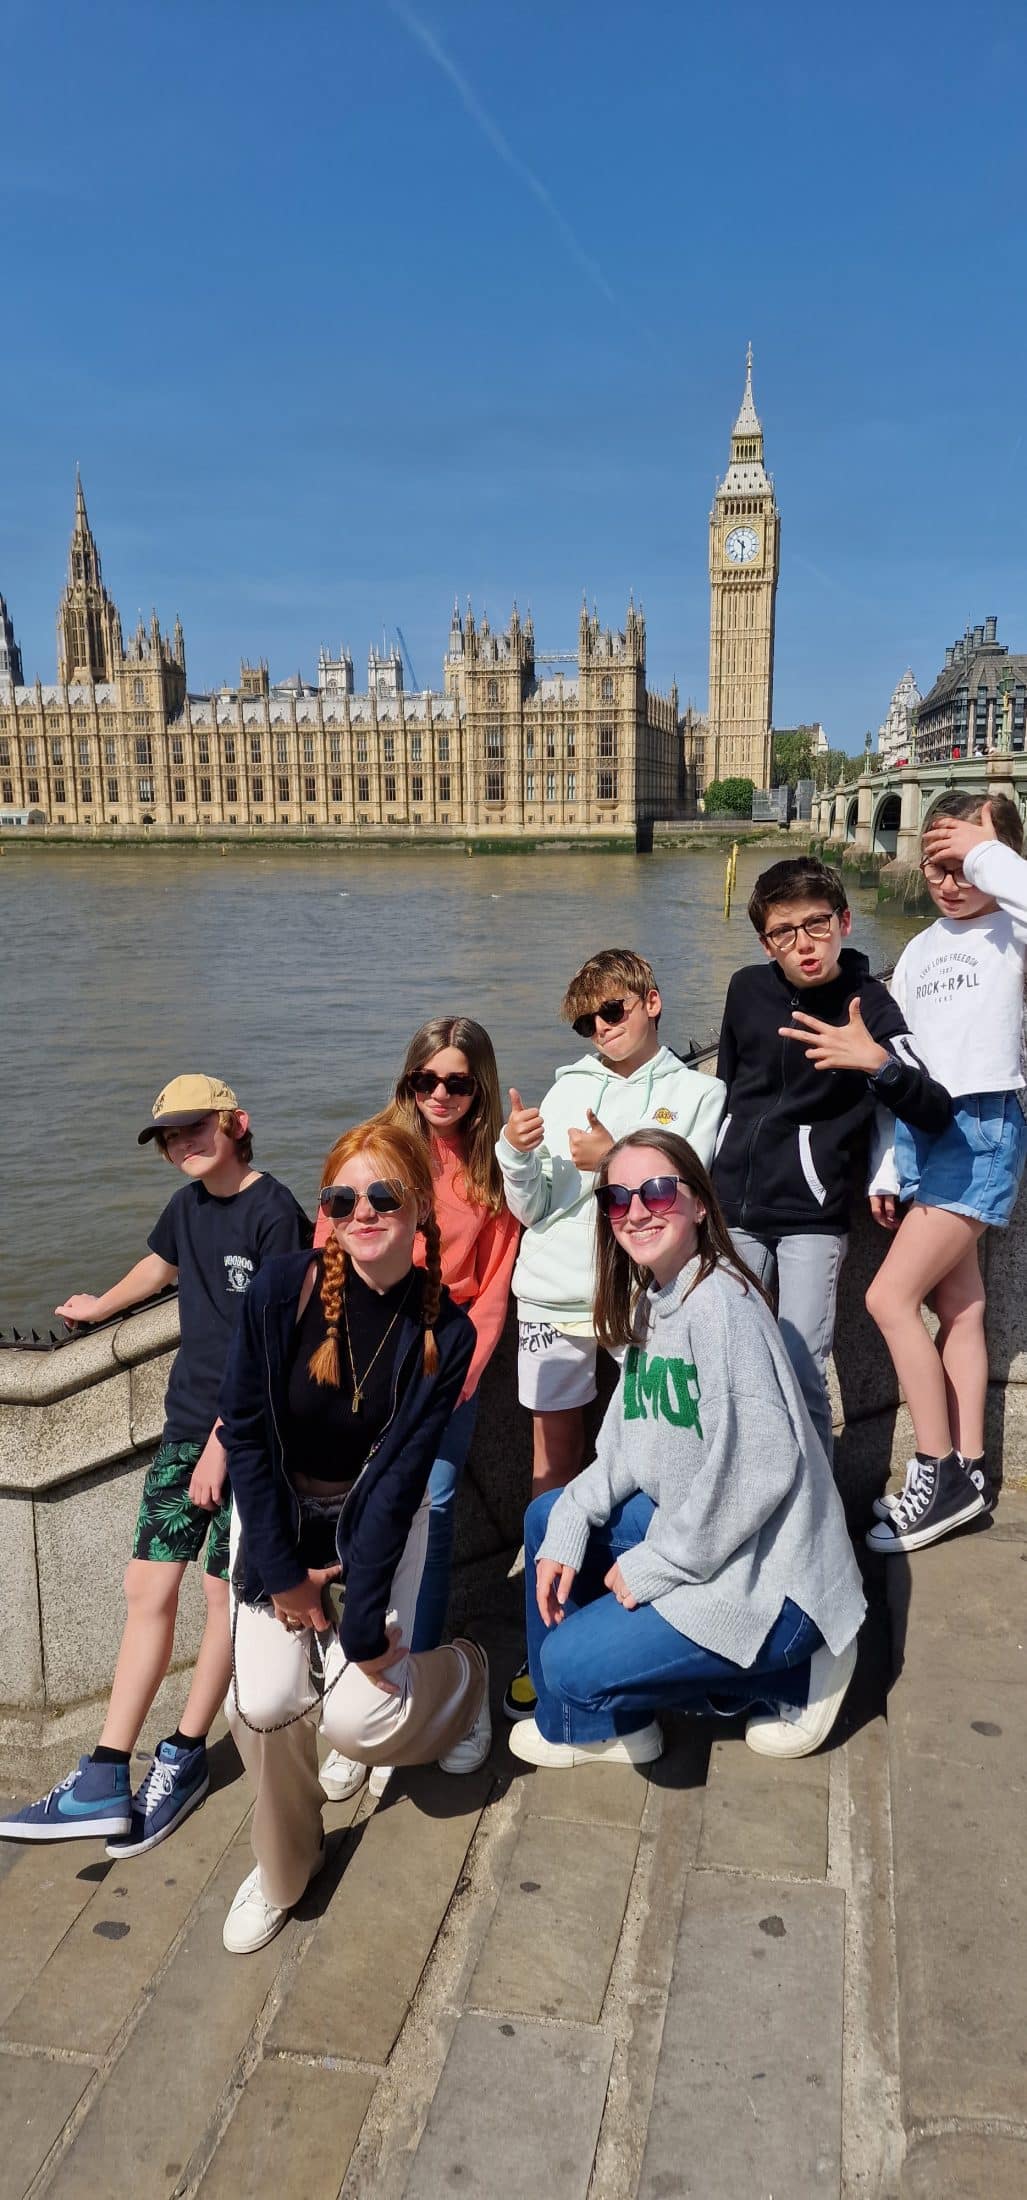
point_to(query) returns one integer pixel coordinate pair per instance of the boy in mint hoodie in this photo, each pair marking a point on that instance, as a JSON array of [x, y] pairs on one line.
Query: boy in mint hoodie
[[549, 1156]]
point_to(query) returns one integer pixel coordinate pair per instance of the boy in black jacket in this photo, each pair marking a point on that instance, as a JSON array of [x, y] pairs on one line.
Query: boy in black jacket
[[792, 1130]]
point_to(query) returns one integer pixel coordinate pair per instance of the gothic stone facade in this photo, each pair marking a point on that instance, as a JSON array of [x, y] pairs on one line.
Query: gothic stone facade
[[506, 747], [745, 551]]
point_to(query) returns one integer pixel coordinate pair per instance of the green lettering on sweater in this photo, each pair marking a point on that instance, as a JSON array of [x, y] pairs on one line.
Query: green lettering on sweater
[[668, 1390]]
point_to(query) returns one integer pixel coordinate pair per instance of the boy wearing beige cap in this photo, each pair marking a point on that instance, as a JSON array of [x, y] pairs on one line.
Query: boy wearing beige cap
[[213, 1235]]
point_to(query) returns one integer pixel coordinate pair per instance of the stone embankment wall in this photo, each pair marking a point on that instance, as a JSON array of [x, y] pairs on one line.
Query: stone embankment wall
[[79, 1424]]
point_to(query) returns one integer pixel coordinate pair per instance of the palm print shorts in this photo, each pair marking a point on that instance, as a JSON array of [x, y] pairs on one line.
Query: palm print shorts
[[170, 1526]]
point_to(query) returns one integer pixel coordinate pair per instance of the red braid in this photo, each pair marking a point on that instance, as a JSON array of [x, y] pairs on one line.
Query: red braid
[[432, 1298], [324, 1363]]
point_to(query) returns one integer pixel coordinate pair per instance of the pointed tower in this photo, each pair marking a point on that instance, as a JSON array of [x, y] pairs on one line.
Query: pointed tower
[[745, 545], [10, 654], [89, 644]]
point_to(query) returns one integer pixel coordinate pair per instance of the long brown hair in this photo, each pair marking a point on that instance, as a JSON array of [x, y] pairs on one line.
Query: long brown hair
[[403, 1160], [480, 1127], [620, 1283]]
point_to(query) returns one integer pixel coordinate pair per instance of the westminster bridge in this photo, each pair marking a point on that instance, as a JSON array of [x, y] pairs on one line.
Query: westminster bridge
[[884, 812]]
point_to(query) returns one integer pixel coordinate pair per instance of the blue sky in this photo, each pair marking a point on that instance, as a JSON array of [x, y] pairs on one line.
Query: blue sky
[[347, 308]]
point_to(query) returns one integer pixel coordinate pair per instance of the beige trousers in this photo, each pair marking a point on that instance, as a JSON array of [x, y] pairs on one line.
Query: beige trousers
[[438, 1697]]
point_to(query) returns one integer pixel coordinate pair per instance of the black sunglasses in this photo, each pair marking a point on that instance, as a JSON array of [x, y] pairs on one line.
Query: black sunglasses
[[457, 1088], [338, 1201], [657, 1195], [612, 1012]]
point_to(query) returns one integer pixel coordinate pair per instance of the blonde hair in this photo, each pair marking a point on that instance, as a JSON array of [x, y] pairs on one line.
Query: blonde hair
[[596, 980], [480, 1127], [403, 1160]]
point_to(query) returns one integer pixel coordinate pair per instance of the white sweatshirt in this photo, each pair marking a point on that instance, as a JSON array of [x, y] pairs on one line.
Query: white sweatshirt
[[960, 986], [553, 1279]]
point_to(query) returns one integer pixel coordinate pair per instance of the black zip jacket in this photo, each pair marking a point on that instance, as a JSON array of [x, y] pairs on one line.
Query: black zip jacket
[[791, 1134], [376, 1517]]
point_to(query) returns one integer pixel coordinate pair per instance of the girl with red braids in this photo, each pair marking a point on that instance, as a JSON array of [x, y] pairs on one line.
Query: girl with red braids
[[344, 1374], [447, 1096]]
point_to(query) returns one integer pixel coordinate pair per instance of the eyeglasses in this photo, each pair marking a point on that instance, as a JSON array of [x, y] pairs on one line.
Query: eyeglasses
[[657, 1195], [936, 873], [785, 936], [611, 1012], [338, 1201], [423, 1082]]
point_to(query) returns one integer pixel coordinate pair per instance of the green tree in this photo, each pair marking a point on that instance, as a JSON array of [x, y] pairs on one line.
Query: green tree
[[792, 758], [729, 798]]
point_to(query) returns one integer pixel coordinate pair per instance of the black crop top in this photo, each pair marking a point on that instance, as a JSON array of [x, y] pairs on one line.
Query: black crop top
[[323, 1437]]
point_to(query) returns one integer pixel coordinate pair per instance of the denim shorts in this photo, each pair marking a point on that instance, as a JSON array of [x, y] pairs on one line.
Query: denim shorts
[[974, 1167]]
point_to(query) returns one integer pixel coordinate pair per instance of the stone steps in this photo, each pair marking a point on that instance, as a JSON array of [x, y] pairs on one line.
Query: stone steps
[[682, 1983]]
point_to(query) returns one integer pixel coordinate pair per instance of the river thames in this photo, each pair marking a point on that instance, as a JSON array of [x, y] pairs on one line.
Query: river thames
[[299, 978]]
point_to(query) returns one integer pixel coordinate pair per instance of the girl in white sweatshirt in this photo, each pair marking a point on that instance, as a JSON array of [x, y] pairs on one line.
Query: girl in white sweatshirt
[[960, 984]]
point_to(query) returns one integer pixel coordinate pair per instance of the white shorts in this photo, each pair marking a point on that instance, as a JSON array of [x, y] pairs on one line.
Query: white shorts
[[554, 1371]]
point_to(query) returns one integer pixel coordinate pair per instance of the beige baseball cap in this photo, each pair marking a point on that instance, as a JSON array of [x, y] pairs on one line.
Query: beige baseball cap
[[184, 1100]]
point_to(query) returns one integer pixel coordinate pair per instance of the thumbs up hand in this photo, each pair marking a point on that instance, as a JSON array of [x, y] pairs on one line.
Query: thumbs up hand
[[837, 1046], [589, 1148], [523, 1128]]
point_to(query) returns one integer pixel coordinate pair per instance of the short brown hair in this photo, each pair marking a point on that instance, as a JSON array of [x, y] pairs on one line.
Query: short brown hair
[[798, 878], [1005, 815], [598, 979], [227, 1121]]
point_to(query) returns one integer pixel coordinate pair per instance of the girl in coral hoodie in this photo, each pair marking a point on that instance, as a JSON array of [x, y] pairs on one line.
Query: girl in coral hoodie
[[448, 1092]]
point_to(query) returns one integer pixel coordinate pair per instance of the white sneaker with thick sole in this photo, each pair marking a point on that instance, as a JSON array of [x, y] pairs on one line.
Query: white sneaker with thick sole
[[466, 1756], [341, 1776], [378, 1779], [252, 1920], [793, 1733], [640, 1748]]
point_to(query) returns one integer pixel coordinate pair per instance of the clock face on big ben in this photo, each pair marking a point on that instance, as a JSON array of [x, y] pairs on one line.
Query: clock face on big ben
[[742, 545]]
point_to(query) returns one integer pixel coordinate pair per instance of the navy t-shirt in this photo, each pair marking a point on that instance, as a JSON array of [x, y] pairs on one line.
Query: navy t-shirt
[[217, 1246]]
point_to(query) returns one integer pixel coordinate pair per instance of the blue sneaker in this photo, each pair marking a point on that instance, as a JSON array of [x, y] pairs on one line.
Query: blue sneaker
[[94, 1800], [176, 1783]]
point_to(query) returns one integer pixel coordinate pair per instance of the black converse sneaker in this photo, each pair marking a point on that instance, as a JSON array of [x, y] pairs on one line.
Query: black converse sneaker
[[978, 1474], [938, 1497]]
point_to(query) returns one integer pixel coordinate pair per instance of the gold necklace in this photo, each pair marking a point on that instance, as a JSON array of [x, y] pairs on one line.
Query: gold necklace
[[359, 1381]]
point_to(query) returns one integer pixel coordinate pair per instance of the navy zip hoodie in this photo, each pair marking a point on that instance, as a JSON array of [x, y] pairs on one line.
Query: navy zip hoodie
[[791, 1133], [376, 1517]]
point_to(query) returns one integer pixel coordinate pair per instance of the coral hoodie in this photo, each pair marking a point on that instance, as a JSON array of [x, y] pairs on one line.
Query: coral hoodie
[[553, 1278]]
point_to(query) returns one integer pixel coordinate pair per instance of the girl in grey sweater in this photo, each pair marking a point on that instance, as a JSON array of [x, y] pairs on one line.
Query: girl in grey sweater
[[702, 1560]]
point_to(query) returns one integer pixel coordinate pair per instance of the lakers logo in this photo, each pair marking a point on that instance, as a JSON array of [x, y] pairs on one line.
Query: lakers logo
[[664, 1115]]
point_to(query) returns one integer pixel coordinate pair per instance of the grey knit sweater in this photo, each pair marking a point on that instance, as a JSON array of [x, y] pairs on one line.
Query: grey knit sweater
[[709, 1422]]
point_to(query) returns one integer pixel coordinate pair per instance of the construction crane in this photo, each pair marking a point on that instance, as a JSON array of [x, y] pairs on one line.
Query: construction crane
[[414, 681]]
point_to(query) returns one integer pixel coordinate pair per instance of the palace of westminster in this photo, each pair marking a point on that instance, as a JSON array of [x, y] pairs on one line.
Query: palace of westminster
[[511, 744]]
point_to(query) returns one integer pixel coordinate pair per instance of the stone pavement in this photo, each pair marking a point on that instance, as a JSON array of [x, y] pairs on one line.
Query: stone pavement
[[733, 1980]]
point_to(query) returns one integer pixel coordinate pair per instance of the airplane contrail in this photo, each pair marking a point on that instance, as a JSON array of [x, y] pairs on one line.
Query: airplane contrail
[[500, 144]]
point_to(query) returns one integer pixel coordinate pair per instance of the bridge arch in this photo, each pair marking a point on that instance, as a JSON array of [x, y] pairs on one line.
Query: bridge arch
[[884, 836], [851, 818]]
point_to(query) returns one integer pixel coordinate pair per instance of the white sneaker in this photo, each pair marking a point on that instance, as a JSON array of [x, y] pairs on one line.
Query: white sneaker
[[639, 1748], [252, 1920], [341, 1776], [789, 1732], [466, 1756], [379, 1778]]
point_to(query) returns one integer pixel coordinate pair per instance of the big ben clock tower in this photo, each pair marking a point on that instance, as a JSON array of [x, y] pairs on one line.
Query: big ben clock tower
[[745, 541]]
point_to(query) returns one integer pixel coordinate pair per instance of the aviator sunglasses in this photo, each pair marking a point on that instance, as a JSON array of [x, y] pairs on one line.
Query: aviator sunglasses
[[657, 1195], [456, 1087], [612, 1012], [338, 1201]]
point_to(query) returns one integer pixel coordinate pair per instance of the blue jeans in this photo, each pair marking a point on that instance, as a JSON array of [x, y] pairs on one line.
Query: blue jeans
[[603, 1670], [433, 1594]]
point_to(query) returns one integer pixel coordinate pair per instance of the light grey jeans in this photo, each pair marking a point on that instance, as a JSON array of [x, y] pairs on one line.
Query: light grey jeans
[[806, 1269]]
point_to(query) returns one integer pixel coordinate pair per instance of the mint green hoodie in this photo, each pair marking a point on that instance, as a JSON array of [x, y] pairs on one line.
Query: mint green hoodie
[[553, 1279]]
